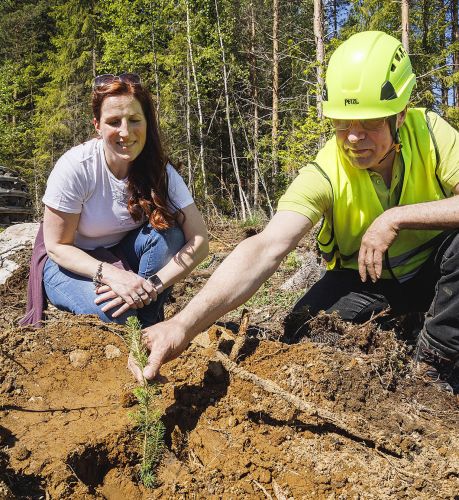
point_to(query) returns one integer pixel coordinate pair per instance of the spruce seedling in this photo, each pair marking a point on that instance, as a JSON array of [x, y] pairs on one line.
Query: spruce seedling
[[148, 417]]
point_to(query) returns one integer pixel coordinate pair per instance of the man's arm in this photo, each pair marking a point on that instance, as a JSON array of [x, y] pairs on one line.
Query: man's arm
[[441, 214], [239, 276]]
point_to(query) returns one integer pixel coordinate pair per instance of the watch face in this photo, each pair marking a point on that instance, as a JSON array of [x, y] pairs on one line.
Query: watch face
[[155, 281]]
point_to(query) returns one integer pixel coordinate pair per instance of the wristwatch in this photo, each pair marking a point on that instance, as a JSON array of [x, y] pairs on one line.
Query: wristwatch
[[157, 283]]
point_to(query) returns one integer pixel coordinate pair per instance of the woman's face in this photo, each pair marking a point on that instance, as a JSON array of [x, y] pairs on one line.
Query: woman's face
[[123, 128]]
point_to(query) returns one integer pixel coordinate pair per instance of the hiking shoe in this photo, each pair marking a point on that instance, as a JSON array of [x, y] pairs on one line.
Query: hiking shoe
[[432, 367]]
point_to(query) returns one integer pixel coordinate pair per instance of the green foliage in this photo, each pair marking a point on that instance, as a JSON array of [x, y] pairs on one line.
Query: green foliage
[[50, 51], [148, 417], [134, 341], [303, 141], [257, 221], [292, 262]]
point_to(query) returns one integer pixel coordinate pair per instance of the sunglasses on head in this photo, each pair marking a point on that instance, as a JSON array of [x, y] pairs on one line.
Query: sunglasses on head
[[132, 78], [372, 124]]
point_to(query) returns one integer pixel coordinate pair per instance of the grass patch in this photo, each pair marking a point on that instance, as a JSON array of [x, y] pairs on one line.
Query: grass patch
[[292, 261]]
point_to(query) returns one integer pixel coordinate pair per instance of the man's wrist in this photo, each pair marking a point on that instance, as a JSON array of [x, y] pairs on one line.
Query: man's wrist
[[394, 218], [184, 324]]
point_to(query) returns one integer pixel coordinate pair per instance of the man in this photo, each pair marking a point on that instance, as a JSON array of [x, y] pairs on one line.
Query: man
[[385, 184]]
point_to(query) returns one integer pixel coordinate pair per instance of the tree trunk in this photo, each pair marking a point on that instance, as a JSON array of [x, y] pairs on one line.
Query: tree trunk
[[94, 63], [444, 86], [425, 25], [405, 25], [155, 62], [275, 119], [198, 99], [253, 78], [455, 39], [259, 174], [320, 59], [13, 116], [188, 125], [335, 19], [245, 207]]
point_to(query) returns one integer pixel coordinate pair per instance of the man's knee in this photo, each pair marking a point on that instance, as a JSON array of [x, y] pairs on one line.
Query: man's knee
[[356, 307]]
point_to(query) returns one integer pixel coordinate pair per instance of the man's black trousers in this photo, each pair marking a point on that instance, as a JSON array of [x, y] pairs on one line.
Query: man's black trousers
[[434, 289]]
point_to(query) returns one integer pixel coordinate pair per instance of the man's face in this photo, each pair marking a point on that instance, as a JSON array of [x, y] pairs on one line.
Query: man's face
[[364, 144]]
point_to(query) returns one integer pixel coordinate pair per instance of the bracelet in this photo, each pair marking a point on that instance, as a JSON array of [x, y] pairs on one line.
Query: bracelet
[[97, 279]]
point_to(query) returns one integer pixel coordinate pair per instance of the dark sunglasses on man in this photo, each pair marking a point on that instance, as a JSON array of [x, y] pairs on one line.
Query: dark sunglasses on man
[[132, 78]]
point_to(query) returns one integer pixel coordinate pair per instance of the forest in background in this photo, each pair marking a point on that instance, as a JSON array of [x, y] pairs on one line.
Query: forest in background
[[237, 83]]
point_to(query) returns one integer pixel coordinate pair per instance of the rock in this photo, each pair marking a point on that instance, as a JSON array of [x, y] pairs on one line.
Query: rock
[[111, 351], [12, 240], [202, 340], [35, 399], [232, 421], [310, 271], [18, 234], [22, 453], [7, 385], [263, 475], [79, 358]]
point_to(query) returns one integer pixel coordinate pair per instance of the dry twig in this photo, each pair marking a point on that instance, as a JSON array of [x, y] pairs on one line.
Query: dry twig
[[308, 408], [241, 336]]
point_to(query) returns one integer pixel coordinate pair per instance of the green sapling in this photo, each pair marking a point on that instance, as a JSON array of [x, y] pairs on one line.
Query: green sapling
[[148, 416]]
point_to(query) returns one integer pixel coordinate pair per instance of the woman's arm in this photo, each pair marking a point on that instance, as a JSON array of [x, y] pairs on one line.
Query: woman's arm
[[192, 253], [59, 233], [187, 258]]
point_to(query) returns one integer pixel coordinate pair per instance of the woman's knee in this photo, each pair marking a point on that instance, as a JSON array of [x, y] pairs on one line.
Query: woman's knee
[[171, 239], [163, 245]]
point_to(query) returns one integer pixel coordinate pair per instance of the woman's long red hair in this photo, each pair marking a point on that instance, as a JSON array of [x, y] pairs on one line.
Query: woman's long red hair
[[147, 178]]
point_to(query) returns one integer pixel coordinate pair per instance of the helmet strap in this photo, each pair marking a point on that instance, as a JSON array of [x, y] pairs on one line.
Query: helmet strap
[[396, 144]]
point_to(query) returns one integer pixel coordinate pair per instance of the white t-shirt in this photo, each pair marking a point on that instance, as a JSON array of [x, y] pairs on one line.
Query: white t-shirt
[[82, 183]]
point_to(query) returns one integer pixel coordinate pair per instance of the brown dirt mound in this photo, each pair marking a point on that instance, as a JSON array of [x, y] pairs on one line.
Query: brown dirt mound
[[66, 432]]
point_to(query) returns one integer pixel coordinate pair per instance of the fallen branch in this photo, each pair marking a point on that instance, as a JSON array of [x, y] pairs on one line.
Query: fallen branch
[[308, 408], [241, 336], [63, 409]]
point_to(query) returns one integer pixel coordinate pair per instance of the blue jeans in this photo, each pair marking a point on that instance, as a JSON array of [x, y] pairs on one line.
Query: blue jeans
[[146, 250]]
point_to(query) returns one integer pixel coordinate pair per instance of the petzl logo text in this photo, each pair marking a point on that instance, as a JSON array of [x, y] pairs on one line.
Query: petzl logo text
[[350, 101]]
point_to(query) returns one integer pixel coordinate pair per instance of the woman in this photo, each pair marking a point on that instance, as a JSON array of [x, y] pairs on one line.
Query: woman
[[119, 192]]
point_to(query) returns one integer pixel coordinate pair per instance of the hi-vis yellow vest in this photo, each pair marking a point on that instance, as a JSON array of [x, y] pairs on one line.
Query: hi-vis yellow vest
[[356, 204]]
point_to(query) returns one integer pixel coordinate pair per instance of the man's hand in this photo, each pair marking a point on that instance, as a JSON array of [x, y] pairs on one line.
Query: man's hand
[[165, 341], [376, 240]]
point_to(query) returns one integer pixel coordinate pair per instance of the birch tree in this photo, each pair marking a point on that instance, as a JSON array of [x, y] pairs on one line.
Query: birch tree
[[405, 26], [455, 40], [254, 86], [320, 58], [275, 118], [245, 206], [198, 101]]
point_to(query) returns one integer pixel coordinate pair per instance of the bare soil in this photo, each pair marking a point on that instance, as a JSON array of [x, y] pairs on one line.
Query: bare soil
[[66, 396]]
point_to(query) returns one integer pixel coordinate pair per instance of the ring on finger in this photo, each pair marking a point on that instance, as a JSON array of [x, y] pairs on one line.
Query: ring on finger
[[137, 299]]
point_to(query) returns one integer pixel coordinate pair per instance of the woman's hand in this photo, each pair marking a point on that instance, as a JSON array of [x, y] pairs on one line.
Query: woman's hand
[[125, 289]]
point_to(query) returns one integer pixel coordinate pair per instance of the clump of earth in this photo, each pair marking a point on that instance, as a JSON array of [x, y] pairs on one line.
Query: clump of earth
[[375, 430]]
